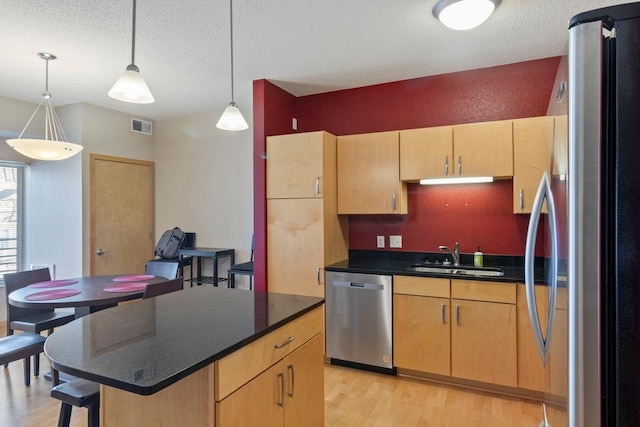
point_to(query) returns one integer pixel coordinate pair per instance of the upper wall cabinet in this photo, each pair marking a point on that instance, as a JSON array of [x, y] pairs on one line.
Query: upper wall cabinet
[[477, 149], [560, 146], [300, 165], [483, 149], [369, 174], [426, 153], [532, 147]]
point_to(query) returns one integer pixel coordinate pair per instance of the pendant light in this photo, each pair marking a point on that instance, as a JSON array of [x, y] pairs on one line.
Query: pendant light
[[464, 14], [130, 87], [232, 118], [53, 146]]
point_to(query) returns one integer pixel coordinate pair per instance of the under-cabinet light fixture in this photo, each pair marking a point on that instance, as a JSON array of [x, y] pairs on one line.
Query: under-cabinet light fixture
[[464, 14], [460, 180]]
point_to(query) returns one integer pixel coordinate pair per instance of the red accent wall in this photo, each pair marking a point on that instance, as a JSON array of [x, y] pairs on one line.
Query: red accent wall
[[471, 214], [273, 109]]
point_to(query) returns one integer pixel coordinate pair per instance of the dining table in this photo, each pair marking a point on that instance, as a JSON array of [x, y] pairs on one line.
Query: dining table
[[86, 294]]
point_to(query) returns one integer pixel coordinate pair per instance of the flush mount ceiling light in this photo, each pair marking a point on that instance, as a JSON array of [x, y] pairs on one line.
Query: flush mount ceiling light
[[464, 14], [232, 118], [131, 87], [53, 146]]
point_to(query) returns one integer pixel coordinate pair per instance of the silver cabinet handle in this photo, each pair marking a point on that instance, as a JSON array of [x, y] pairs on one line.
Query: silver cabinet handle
[[446, 165], [317, 185], [457, 314], [281, 378], [521, 198], [443, 314], [286, 343], [318, 276], [542, 343], [292, 383], [393, 201], [459, 165]]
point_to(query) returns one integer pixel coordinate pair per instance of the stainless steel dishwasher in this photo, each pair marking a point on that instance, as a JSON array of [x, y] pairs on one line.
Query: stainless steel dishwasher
[[359, 319]]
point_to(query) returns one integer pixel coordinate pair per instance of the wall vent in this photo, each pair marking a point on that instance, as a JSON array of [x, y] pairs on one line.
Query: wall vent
[[141, 126]]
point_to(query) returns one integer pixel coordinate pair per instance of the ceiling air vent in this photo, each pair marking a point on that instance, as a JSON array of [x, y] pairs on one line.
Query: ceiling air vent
[[141, 126]]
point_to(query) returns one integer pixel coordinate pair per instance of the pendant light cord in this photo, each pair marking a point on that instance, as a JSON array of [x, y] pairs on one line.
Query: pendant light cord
[[133, 35], [231, 30], [46, 76]]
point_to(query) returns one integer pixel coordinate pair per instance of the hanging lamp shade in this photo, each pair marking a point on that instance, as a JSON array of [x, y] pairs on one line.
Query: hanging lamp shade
[[131, 87], [232, 118], [54, 145], [464, 14]]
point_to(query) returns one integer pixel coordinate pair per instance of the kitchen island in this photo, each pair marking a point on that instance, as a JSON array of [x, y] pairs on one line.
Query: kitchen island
[[203, 356]]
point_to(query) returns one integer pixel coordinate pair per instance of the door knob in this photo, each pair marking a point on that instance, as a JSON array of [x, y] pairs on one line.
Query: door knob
[[100, 252]]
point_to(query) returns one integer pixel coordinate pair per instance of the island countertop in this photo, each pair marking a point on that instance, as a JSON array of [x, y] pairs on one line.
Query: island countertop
[[145, 346]]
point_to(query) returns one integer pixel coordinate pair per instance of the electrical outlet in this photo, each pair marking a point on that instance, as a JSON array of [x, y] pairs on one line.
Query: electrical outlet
[[395, 241], [380, 241]]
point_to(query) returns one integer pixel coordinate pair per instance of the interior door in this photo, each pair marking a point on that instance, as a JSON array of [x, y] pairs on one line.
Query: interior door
[[122, 214]]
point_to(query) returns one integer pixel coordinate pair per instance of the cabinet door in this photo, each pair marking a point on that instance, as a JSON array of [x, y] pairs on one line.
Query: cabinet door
[[560, 146], [295, 245], [369, 174], [531, 372], [421, 334], [304, 385], [532, 146], [483, 342], [295, 164], [483, 149], [257, 403], [558, 358], [426, 153]]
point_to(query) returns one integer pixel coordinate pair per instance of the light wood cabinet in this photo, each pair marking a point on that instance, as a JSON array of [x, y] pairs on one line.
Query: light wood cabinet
[[483, 332], [369, 174], [301, 165], [558, 362], [426, 153], [421, 324], [304, 231], [476, 149], [483, 149], [560, 146], [531, 372], [532, 148], [289, 394]]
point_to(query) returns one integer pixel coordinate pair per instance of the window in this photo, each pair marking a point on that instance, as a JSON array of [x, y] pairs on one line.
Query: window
[[11, 217]]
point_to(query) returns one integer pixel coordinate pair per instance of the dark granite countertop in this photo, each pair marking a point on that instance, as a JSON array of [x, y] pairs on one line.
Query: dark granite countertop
[[145, 346], [397, 263]]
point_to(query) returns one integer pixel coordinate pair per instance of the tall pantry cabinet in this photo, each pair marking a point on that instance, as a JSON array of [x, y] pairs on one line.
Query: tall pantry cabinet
[[304, 231]]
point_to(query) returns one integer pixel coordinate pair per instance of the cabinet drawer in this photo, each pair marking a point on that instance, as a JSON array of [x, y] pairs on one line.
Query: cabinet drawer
[[421, 286], [240, 367], [483, 291]]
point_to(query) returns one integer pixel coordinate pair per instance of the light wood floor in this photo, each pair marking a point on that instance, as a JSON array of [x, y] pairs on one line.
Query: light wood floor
[[352, 398]]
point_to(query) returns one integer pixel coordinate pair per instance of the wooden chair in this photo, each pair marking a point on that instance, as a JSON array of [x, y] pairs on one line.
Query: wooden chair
[[245, 268], [168, 269], [78, 392], [33, 320], [23, 346], [156, 289]]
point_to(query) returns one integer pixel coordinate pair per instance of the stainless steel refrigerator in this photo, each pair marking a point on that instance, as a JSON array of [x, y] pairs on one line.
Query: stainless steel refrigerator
[[604, 218]]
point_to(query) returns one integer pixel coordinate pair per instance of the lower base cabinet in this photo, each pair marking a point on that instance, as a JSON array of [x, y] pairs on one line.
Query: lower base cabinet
[[290, 393]]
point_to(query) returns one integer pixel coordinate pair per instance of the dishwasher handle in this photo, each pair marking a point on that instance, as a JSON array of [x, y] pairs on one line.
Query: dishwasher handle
[[358, 285]]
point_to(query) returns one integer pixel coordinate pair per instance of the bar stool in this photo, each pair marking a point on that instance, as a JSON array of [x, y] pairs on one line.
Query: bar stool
[[78, 392]]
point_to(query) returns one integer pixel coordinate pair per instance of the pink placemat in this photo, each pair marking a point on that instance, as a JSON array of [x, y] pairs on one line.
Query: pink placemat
[[126, 287], [52, 284], [52, 294], [134, 278]]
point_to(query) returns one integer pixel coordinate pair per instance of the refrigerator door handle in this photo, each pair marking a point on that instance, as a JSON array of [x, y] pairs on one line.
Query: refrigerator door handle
[[542, 343]]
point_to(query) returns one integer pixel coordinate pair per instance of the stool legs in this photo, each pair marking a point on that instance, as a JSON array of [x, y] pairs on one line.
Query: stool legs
[[93, 416], [65, 415]]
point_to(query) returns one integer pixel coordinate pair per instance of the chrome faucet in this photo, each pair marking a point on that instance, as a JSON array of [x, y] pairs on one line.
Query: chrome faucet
[[455, 254]]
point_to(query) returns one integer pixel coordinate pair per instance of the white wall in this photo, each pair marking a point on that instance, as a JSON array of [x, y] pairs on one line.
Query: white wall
[[204, 182]]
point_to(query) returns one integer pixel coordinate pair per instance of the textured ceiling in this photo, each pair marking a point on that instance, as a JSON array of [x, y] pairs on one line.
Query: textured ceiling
[[303, 46]]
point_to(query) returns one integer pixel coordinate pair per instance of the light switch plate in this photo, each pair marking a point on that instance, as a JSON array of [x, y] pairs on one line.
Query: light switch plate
[[395, 241], [380, 241]]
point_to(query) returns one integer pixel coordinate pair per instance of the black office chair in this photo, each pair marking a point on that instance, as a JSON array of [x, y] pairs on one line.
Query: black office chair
[[162, 268], [155, 289], [245, 268], [33, 320]]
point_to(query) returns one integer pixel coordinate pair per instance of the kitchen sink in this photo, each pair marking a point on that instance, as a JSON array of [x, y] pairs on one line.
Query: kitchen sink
[[460, 270]]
